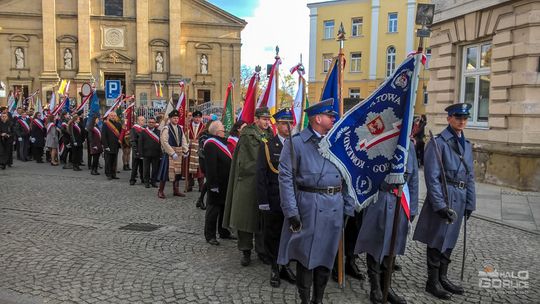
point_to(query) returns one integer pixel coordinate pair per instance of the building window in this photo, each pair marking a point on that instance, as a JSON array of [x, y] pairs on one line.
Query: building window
[[354, 93], [356, 61], [356, 27], [392, 22], [390, 60], [327, 61], [476, 80], [329, 29], [114, 8]]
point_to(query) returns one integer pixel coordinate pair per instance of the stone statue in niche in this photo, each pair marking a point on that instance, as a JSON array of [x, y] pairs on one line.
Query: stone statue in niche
[[19, 58], [204, 64], [68, 59], [159, 62]]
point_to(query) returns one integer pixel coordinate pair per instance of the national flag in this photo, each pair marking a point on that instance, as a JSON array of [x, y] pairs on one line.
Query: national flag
[[93, 110], [84, 102], [39, 107], [64, 86], [299, 103], [115, 105], [59, 107], [248, 110], [66, 104], [331, 85], [181, 104], [158, 89], [305, 122], [405, 200], [370, 142], [270, 95], [12, 103], [228, 110]]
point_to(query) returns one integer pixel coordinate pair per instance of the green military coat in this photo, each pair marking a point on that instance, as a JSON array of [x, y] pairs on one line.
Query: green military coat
[[241, 206]]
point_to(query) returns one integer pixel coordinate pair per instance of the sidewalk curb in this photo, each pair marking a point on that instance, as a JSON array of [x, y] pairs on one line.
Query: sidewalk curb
[[491, 220]]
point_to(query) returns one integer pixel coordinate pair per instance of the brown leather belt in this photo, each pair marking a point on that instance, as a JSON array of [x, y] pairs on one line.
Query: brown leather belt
[[328, 190]]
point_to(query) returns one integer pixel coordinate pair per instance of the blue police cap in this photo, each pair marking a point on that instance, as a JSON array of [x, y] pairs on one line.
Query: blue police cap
[[283, 115], [324, 107], [460, 109]]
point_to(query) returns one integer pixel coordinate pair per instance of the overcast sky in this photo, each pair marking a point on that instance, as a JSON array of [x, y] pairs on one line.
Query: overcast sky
[[270, 23]]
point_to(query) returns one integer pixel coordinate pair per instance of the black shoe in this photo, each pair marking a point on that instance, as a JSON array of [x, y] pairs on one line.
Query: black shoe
[[375, 293], [131, 182], [153, 185], [246, 258], [109, 178], [147, 185], [393, 298], [39, 161], [115, 177], [446, 283], [352, 269], [198, 204], [287, 274], [264, 258], [275, 281], [213, 242], [76, 168], [397, 267], [67, 166], [434, 287], [94, 172], [228, 237]]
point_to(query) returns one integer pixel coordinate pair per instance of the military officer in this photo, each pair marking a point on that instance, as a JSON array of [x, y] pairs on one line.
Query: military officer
[[438, 226], [314, 201], [376, 232], [268, 195], [241, 208]]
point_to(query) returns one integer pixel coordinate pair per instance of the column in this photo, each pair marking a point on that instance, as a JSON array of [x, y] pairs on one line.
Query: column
[[375, 7], [49, 40], [312, 43], [83, 39], [411, 16], [175, 30], [143, 66]]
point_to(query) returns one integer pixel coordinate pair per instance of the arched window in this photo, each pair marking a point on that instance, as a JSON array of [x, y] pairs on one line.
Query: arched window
[[390, 60]]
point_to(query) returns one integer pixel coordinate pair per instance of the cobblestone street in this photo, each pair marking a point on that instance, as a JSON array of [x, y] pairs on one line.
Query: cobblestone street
[[61, 243]]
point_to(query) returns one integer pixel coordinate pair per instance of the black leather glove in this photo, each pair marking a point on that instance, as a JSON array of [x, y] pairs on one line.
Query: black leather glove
[[295, 223], [443, 213], [386, 187], [468, 214]]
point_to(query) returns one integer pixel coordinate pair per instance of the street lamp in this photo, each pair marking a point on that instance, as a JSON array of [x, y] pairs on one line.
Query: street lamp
[[424, 17]]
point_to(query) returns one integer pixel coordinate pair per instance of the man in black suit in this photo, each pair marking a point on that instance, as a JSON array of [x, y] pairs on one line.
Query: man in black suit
[[268, 195], [136, 157], [150, 150], [110, 138]]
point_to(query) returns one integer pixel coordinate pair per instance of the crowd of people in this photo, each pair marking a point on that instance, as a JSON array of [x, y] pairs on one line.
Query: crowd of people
[[272, 191]]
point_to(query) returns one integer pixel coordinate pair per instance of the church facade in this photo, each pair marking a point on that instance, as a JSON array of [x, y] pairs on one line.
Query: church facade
[[139, 42]]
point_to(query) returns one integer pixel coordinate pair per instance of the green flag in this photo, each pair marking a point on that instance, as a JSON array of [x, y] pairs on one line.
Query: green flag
[[306, 121], [228, 111]]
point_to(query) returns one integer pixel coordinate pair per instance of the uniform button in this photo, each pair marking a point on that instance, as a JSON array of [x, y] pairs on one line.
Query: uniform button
[[337, 175]]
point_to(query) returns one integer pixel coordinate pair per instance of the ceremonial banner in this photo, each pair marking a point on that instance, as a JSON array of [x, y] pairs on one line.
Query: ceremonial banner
[[369, 144], [331, 85], [299, 105], [248, 111], [228, 111], [270, 95], [181, 105], [52, 102]]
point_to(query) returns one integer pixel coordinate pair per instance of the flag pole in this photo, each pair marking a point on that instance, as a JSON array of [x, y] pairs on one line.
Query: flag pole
[[276, 80], [341, 248]]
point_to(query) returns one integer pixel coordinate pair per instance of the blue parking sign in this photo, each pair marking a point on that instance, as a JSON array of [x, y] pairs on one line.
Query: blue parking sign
[[112, 89]]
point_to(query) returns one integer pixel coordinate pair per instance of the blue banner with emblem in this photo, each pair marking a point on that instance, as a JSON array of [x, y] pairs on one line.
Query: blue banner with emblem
[[369, 143]]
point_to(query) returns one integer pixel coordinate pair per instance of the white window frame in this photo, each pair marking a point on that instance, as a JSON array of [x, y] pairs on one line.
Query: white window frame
[[356, 63], [328, 31], [390, 60], [327, 62], [392, 23], [476, 73], [358, 26], [355, 94]]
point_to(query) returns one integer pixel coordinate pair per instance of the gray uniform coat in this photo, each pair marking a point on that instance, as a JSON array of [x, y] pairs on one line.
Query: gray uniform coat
[[458, 166], [376, 231], [321, 214]]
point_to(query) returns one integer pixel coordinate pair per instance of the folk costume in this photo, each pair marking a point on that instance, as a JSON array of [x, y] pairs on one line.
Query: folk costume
[[194, 131]]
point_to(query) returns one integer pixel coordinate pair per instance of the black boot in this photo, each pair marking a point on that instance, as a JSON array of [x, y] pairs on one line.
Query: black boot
[[434, 287], [287, 274], [304, 295], [303, 282], [274, 276], [374, 274], [392, 296], [246, 258], [352, 269], [445, 282]]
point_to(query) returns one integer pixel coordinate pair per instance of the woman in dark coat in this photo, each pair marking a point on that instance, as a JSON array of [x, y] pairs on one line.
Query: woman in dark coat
[[37, 137], [95, 146], [6, 139]]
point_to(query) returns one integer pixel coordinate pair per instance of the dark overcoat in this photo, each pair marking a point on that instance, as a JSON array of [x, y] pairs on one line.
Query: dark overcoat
[[38, 133], [217, 163], [6, 142], [376, 231], [267, 174], [321, 214], [458, 167], [109, 139], [148, 147]]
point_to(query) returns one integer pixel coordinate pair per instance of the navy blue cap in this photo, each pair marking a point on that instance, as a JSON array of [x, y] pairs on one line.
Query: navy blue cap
[[324, 107], [460, 109], [283, 115]]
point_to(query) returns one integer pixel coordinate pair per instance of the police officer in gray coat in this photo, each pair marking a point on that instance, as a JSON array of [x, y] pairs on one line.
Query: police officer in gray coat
[[376, 232], [314, 202], [438, 227]]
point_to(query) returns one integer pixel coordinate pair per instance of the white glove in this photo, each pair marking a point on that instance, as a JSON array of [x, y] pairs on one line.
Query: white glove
[[264, 207], [175, 156], [108, 149], [215, 190], [68, 146], [75, 144], [94, 147], [19, 139], [32, 140]]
